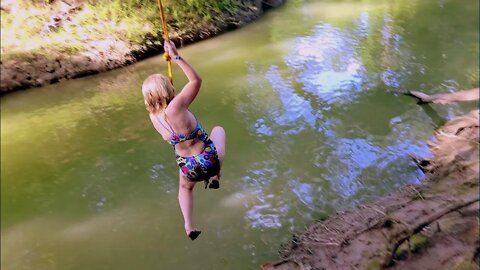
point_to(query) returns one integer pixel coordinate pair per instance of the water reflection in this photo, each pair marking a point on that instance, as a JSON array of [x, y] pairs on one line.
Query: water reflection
[[282, 111], [303, 191], [327, 64], [161, 177], [296, 112], [264, 211], [347, 162], [326, 94], [362, 25]]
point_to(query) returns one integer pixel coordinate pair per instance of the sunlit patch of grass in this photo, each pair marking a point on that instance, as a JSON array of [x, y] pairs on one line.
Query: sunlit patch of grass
[[134, 21]]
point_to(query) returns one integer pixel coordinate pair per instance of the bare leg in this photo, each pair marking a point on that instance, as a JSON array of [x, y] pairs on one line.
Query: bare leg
[[185, 199], [219, 139]]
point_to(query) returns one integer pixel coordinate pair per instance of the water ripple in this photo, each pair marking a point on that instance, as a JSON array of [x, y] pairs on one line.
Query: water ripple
[[327, 64]]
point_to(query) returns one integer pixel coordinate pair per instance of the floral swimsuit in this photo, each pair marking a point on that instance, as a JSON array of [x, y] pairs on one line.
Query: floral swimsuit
[[200, 167]]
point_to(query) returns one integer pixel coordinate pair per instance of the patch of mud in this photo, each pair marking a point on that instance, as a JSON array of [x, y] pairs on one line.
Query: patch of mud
[[42, 70], [431, 226]]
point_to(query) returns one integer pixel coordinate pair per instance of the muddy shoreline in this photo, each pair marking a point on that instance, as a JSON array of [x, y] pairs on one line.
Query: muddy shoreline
[[110, 53], [434, 225]]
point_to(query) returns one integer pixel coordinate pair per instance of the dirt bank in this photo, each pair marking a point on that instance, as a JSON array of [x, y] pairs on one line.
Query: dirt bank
[[431, 226], [111, 52]]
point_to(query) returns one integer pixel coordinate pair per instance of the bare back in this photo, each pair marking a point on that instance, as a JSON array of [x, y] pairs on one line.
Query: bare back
[[182, 122]]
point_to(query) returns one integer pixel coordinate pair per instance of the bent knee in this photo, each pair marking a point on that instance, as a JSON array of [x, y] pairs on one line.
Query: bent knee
[[218, 131]]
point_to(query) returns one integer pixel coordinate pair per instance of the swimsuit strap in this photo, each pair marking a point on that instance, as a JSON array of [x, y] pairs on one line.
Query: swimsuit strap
[[169, 128], [198, 132]]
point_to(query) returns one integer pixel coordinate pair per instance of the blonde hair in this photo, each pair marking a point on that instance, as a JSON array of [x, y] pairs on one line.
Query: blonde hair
[[157, 91]]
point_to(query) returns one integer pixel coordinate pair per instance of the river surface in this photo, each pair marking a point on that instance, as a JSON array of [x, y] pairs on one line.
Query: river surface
[[309, 97]]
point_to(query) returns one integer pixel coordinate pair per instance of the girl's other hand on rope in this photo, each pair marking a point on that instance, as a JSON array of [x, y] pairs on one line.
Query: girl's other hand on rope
[[170, 48]]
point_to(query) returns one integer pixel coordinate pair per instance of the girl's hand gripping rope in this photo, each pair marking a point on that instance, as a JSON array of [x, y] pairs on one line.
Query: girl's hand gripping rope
[[170, 50]]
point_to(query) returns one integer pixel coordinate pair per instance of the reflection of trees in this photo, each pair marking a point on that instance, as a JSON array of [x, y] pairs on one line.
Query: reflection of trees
[[283, 112], [425, 44], [265, 210], [326, 64], [295, 111], [336, 136], [446, 38]]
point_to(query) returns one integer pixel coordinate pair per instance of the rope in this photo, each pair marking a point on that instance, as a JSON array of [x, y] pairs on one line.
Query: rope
[[166, 56]]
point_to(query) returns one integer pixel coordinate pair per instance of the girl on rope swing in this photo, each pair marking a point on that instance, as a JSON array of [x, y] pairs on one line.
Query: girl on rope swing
[[198, 155]]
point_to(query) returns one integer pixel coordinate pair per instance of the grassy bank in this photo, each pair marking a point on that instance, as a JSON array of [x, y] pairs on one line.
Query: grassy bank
[[46, 41], [36, 28]]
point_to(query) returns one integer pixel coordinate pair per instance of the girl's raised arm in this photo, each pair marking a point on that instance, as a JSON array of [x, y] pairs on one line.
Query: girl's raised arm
[[191, 89]]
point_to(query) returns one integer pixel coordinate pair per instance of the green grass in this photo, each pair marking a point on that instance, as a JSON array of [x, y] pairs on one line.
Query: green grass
[[132, 21]]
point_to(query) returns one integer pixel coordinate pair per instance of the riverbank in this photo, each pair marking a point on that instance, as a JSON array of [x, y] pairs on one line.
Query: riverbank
[[70, 39], [431, 226]]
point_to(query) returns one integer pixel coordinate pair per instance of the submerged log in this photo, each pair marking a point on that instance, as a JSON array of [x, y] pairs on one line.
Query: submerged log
[[431, 226], [466, 95]]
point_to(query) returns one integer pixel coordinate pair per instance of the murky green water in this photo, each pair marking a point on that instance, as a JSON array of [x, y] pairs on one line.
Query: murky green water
[[307, 95]]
